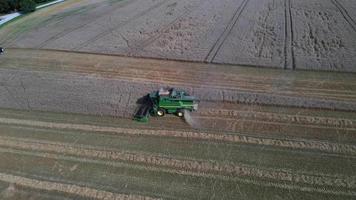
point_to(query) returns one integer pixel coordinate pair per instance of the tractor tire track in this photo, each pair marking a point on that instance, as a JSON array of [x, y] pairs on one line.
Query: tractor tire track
[[289, 62], [322, 146], [68, 188], [220, 41], [70, 30], [137, 16], [177, 171], [182, 164], [345, 14]]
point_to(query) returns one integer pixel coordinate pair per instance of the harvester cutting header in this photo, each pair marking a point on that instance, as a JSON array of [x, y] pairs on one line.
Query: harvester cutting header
[[165, 101]]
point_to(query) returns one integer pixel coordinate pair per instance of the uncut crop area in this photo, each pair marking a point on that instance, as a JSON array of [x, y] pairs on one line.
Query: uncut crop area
[[287, 34]]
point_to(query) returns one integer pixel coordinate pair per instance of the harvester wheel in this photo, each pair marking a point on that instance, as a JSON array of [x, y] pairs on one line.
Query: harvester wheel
[[180, 113], [160, 112]]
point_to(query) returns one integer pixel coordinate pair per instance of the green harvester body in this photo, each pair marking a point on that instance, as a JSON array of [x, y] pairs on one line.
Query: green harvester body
[[166, 101]]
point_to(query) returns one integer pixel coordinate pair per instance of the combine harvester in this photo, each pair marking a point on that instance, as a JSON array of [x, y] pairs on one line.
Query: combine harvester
[[165, 101]]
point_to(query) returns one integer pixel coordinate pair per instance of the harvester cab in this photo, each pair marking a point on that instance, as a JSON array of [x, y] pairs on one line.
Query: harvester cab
[[165, 101]]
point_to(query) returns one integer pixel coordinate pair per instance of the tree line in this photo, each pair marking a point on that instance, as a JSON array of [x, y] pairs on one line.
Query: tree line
[[24, 6]]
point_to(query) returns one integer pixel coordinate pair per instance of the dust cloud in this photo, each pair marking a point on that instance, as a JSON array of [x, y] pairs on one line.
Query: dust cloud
[[194, 123]]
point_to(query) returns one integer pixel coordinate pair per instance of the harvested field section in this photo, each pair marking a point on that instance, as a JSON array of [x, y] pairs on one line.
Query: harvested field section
[[128, 178], [299, 119], [18, 192], [322, 146], [56, 155], [193, 149], [263, 121]]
